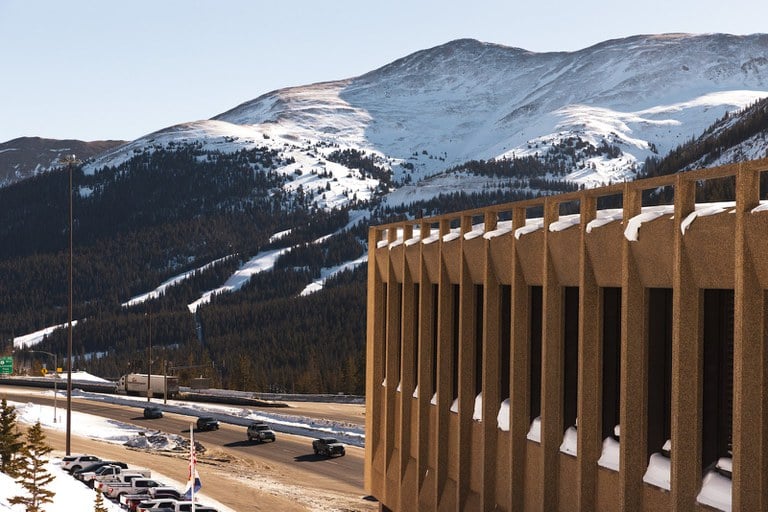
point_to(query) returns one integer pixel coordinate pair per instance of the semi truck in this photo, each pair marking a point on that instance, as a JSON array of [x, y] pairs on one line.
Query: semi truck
[[136, 384]]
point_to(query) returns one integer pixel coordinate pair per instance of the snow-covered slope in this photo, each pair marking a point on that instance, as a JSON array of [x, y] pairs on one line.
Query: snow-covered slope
[[468, 100]]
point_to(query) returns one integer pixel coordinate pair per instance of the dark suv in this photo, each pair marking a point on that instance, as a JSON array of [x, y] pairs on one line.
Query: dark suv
[[153, 412], [328, 446], [260, 432], [207, 423]]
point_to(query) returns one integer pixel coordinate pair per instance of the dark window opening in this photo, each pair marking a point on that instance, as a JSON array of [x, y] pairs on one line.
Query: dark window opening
[[570, 355], [535, 351], [717, 397], [455, 296], [659, 368], [416, 339], [435, 296], [611, 359], [384, 325], [505, 341], [398, 326], [479, 292]]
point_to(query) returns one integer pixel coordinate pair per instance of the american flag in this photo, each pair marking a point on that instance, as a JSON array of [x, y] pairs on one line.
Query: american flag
[[193, 480]]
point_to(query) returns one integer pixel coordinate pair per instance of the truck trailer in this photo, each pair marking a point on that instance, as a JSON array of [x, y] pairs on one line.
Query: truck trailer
[[136, 384]]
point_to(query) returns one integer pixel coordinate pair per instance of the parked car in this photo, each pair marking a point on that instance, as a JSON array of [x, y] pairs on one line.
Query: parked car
[[207, 423], [112, 473], [90, 468], [260, 432], [153, 412], [114, 490], [155, 504], [72, 463], [328, 446]]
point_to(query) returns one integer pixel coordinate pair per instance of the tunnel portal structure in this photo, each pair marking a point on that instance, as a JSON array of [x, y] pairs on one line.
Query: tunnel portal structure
[[574, 352]]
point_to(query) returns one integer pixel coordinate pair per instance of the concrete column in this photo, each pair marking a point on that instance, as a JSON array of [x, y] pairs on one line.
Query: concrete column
[[424, 379], [519, 381], [394, 313], [444, 374], [466, 369], [552, 353], [750, 438], [687, 363], [634, 369], [590, 367], [491, 369], [374, 364], [407, 378]]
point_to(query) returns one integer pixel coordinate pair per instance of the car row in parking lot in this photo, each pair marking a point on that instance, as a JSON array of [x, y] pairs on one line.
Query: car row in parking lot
[[132, 488]]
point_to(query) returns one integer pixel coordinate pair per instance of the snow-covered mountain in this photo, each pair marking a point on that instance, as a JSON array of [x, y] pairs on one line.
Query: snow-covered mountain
[[468, 100], [27, 156]]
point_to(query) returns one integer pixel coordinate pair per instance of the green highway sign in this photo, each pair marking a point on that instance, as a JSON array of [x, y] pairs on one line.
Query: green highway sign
[[6, 365]]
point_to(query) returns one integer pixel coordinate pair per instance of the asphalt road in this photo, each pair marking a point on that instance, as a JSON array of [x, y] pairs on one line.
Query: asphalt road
[[293, 453]]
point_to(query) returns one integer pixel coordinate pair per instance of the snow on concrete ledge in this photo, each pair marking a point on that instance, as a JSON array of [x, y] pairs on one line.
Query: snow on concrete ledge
[[705, 210], [413, 240], [609, 459], [569, 445], [605, 217], [534, 433], [648, 214], [477, 231], [531, 225], [658, 472], [477, 414], [453, 235], [715, 491], [762, 207], [565, 222], [502, 418], [502, 228]]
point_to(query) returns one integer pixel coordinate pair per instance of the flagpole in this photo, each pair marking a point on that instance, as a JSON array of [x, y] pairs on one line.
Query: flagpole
[[193, 464]]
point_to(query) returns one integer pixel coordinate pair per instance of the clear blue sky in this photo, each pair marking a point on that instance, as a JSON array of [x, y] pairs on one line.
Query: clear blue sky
[[109, 69]]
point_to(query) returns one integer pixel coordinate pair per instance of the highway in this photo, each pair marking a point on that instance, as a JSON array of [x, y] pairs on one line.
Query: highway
[[291, 454]]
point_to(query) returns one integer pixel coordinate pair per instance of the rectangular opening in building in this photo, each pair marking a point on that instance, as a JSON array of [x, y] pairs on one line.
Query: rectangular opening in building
[[659, 368], [397, 330], [535, 351], [415, 335], [455, 315], [570, 355], [505, 341], [479, 301], [717, 396], [384, 301], [434, 309], [611, 359]]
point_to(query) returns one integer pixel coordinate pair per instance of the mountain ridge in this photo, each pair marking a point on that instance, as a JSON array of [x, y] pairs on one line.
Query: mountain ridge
[[467, 100]]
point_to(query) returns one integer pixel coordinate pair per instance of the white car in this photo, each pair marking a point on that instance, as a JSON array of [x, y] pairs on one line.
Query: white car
[[72, 463]]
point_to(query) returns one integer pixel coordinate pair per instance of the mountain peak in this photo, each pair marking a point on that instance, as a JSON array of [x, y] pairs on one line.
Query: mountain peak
[[471, 100]]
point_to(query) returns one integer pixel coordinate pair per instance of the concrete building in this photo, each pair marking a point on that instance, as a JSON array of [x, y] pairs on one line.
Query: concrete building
[[524, 359]]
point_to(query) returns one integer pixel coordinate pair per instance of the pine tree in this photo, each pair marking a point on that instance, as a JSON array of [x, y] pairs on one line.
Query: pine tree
[[10, 443], [98, 505], [32, 475]]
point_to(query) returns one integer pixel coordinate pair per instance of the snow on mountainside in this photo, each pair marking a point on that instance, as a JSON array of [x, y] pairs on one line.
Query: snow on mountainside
[[468, 100], [27, 156]]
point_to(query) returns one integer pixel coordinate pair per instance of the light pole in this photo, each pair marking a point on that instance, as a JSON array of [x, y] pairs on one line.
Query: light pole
[[149, 361], [70, 160], [55, 381]]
